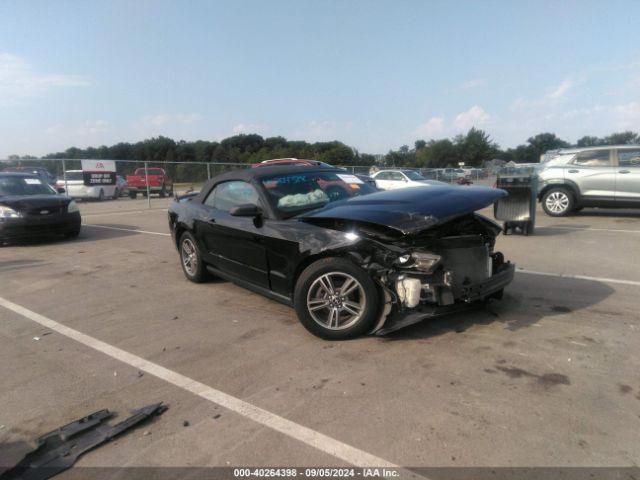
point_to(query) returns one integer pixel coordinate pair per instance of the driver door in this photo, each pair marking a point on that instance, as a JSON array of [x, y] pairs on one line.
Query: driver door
[[235, 244]]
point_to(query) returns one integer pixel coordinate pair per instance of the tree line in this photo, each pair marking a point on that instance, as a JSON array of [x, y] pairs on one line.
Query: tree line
[[243, 148], [473, 148], [477, 147]]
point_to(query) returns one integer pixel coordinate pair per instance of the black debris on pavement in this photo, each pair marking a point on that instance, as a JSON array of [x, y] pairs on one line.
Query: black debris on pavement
[[58, 450]]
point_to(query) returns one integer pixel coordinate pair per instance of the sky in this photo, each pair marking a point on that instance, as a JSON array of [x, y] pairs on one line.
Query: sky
[[374, 74]]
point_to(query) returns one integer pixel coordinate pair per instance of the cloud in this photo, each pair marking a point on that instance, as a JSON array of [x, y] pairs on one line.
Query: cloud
[[92, 127], [162, 119], [560, 91], [323, 130], [635, 81], [19, 81], [474, 117], [473, 83], [439, 127], [173, 125], [89, 129], [554, 96], [249, 128], [430, 129], [627, 115]]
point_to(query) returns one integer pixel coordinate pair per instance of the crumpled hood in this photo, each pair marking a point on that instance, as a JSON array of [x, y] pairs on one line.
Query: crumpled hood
[[22, 202], [410, 210]]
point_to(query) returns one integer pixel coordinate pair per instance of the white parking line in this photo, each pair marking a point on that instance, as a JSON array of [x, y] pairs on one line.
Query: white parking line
[[127, 212], [280, 424], [581, 277], [589, 229], [126, 229]]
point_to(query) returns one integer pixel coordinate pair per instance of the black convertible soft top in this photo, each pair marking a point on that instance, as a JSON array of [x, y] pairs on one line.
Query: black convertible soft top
[[250, 174]]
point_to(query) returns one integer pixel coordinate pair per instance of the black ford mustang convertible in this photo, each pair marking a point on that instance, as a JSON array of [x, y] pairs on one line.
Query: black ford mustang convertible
[[350, 259]]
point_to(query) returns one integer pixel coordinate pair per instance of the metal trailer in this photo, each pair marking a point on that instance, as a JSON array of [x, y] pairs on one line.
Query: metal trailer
[[517, 211]]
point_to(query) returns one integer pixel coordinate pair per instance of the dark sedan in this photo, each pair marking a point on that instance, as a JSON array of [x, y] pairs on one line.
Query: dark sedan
[[31, 208], [350, 259]]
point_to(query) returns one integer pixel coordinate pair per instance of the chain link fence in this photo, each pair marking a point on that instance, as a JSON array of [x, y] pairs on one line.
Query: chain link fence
[[183, 177]]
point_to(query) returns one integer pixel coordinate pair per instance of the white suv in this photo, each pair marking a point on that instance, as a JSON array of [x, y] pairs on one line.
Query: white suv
[[571, 179]]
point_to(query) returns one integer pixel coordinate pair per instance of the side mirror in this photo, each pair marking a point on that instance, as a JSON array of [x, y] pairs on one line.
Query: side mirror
[[245, 210], [60, 190]]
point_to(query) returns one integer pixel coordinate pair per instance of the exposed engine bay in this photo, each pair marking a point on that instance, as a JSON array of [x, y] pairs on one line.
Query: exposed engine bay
[[432, 272]]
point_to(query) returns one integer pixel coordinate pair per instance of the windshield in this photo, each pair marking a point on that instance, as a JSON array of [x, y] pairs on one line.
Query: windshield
[[10, 185], [299, 192], [413, 175]]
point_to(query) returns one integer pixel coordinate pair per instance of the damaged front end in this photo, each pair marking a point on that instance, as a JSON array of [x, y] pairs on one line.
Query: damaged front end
[[428, 272], [443, 271]]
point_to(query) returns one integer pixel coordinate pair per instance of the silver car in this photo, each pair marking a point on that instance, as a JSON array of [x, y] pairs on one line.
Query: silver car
[[571, 179]]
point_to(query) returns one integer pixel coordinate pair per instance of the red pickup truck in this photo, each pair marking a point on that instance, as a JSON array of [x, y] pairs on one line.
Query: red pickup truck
[[159, 182]]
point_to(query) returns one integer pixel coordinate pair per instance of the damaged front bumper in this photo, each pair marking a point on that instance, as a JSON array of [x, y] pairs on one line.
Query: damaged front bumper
[[491, 285], [469, 297]]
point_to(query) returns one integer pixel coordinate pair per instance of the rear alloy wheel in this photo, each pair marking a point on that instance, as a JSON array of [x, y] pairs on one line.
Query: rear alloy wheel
[[558, 202], [336, 300], [191, 259]]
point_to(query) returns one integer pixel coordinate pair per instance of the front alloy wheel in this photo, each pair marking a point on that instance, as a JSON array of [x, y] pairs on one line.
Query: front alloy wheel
[[557, 202], [336, 300]]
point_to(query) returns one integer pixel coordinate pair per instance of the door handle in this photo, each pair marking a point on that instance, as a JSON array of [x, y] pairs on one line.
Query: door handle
[[574, 171], [624, 171]]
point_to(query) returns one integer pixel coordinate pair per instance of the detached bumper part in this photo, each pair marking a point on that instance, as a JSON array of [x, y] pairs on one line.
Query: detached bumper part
[[495, 283], [58, 450]]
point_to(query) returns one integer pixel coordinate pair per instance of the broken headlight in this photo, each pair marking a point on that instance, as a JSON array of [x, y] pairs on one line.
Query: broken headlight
[[425, 262]]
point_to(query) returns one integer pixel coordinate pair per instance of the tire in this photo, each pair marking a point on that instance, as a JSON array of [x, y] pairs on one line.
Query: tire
[[194, 269], [358, 316], [133, 194], [116, 194], [558, 202], [101, 196]]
